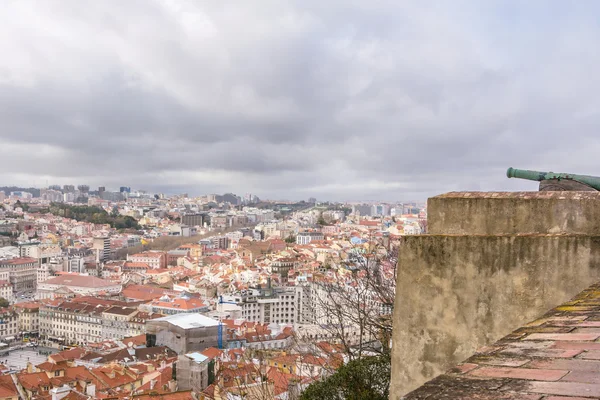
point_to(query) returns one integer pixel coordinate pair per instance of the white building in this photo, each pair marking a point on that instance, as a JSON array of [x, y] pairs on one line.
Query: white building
[[6, 291], [282, 305], [78, 284], [306, 237]]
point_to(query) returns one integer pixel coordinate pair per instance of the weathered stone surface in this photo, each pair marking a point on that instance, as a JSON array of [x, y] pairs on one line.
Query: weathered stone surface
[[457, 293], [548, 368], [493, 213]]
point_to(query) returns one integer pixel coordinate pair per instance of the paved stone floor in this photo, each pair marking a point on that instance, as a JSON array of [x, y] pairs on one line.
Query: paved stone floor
[[17, 359], [556, 357]]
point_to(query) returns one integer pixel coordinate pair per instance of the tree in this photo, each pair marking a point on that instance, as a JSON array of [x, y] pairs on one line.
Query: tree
[[4, 303], [290, 239], [354, 302], [23, 206], [321, 221], [363, 379]]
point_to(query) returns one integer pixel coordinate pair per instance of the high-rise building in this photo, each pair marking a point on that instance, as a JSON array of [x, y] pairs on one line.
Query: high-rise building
[[68, 188], [74, 264], [197, 219], [83, 188], [124, 189], [101, 189], [381, 209], [102, 247], [362, 209]]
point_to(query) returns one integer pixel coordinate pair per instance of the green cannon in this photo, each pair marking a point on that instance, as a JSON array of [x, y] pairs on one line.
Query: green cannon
[[557, 181]]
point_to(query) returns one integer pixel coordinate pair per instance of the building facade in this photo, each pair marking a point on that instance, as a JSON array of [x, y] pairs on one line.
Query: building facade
[[304, 238], [184, 333], [22, 273], [77, 284]]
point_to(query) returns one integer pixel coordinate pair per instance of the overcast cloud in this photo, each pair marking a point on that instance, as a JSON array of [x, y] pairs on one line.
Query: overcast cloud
[[336, 99]]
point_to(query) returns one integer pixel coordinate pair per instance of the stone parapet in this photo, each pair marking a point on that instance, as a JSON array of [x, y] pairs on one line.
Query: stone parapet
[[492, 213]]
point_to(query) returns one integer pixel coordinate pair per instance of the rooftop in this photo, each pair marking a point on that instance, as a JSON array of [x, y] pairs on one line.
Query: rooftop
[[197, 357], [193, 320], [555, 357], [79, 281]]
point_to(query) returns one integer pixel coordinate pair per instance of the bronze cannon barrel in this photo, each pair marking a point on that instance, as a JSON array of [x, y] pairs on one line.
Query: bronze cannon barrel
[[592, 181]]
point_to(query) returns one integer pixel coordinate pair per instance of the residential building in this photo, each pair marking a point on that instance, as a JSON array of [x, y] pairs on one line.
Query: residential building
[[101, 245], [197, 219], [154, 259], [6, 291], [82, 322], [9, 324], [74, 264], [380, 210], [76, 284], [304, 238], [28, 314], [116, 322], [42, 252], [281, 305], [70, 322], [179, 305], [22, 273], [220, 242]]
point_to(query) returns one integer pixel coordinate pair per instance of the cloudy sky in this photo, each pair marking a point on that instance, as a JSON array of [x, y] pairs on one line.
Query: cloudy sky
[[336, 99]]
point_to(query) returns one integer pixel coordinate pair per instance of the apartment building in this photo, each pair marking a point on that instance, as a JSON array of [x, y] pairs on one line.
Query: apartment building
[[154, 259], [79, 323], [179, 305], [28, 315], [42, 252], [70, 323], [304, 238], [22, 273], [6, 291], [9, 324], [196, 219], [101, 246], [78, 284], [116, 323], [281, 305]]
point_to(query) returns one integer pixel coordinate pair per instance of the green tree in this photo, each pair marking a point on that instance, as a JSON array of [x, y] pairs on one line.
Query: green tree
[[23, 206], [321, 221], [367, 378], [4, 303], [290, 239]]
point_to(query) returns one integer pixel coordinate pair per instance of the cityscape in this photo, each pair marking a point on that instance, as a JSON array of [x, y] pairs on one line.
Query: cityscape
[[125, 293], [299, 200]]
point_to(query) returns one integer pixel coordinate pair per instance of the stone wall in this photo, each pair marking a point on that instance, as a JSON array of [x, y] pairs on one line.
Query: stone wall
[[491, 213], [458, 292]]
